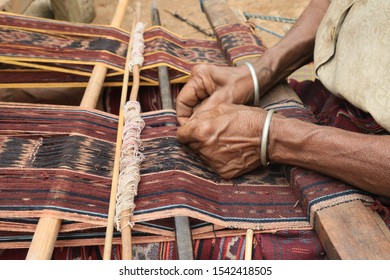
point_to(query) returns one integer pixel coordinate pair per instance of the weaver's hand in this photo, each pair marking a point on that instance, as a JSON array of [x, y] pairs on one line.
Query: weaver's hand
[[212, 85], [227, 137]]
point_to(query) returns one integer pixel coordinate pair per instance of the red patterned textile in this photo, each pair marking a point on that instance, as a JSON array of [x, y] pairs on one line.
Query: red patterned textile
[[290, 244], [283, 245], [61, 53]]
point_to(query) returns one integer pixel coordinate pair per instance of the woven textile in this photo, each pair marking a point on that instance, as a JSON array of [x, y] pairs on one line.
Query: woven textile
[[237, 41], [37, 47], [286, 245], [289, 244], [55, 160], [63, 168]]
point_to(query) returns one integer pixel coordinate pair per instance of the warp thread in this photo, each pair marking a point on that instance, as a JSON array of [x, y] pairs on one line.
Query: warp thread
[[131, 158]]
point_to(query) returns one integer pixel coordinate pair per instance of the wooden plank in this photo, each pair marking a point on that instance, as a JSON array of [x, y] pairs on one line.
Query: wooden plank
[[184, 238], [353, 231], [339, 228]]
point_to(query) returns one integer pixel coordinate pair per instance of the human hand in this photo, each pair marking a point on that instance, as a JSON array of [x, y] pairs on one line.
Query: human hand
[[211, 85], [227, 137]]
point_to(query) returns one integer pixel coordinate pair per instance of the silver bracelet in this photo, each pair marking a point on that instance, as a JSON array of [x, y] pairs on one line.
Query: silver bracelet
[[256, 98], [264, 138]]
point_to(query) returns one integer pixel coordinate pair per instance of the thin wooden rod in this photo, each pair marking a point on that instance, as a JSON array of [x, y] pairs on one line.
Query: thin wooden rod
[[248, 244], [116, 170], [125, 215], [127, 252], [42, 244]]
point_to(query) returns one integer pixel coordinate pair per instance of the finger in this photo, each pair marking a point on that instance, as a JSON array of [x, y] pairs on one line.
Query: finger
[[184, 134], [190, 96], [209, 104], [185, 102]]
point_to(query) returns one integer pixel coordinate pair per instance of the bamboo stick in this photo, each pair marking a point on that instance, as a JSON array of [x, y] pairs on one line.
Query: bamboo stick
[[95, 83], [127, 252], [42, 245], [248, 244], [125, 215]]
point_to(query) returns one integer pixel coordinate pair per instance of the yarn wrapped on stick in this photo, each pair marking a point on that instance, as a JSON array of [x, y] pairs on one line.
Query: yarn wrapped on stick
[[130, 161], [131, 157], [137, 51]]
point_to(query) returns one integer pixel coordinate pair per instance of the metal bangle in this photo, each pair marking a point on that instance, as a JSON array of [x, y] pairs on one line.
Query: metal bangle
[[264, 138], [256, 98]]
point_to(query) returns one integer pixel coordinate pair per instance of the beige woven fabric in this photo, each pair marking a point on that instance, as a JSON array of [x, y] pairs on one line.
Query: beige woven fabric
[[352, 54]]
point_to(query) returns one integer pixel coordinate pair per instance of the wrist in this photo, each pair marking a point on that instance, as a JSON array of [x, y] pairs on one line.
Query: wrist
[[268, 69], [264, 138], [245, 84], [284, 140]]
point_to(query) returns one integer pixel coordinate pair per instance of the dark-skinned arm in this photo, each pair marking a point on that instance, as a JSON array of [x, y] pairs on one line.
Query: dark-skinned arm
[[359, 159], [227, 136], [294, 50], [211, 85]]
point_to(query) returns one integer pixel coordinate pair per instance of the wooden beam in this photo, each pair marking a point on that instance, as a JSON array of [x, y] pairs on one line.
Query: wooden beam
[[347, 231], [352, 231]]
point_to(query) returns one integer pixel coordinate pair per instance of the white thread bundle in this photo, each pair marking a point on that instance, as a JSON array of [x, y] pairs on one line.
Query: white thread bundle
[[137, 52], [130, 160]]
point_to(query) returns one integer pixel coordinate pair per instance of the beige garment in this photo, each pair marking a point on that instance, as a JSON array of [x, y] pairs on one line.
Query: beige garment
[[352, 55]]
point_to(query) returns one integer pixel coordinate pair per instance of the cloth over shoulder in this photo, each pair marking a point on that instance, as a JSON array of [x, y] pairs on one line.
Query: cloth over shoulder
[[351, 55]]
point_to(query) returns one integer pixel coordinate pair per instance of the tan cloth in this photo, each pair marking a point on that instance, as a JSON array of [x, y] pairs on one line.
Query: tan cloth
[[352, 55]]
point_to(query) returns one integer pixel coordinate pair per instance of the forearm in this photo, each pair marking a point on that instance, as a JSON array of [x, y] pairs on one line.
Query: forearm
[[294, 50], [359, 159]]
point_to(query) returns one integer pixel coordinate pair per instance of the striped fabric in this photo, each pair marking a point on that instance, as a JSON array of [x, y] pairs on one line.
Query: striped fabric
[[63, 54], [58, 163]]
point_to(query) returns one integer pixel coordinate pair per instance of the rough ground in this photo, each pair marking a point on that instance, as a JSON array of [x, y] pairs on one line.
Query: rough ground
[[190, 9]]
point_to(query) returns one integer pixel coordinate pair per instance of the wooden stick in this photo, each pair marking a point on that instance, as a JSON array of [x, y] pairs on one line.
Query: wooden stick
[[182, 223], [48, 228], [163, 75], [248, 244], [127, 253], [95, 83], [45, 236]]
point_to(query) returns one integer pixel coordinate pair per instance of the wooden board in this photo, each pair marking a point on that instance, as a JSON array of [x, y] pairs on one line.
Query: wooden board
[[353, 231], [347, 231]]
